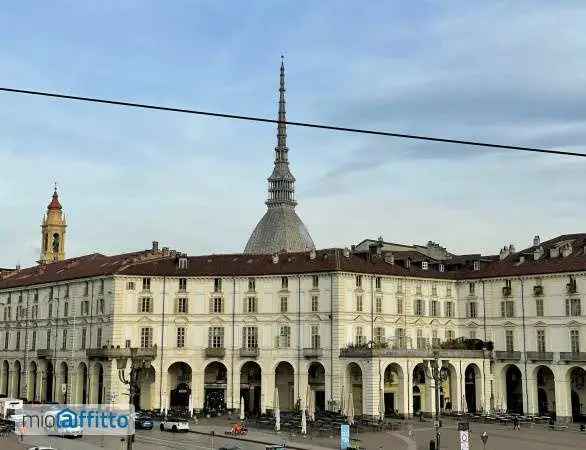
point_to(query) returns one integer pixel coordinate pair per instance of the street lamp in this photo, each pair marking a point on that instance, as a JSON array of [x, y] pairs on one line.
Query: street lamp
[[439, 375]]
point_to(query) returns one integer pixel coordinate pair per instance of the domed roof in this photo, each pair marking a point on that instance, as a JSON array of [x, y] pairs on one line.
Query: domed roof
[[280, 229]]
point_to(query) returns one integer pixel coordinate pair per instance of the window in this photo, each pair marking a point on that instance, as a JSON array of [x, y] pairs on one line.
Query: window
[[180, 337], [435, 341], [359, 303], [85, 308], [449, 291], [424, 265], [420, 340], [476, 265], [146, 284], [18, 340], [472, 334], [284, 337], [101, 290], [434, 308], [472, 310], [315, 339], [250, 337], [251, 284], [378, 283], [539, 307], [34, 340], [50, 314], [217, 305], [450, 335], [99, 338], [507, 309], [36, 296], [359, 338], [66, 309], [471, 288], [418, 289], [130, 286], [83, 338], [284, 282], [442, 268], [146, 337], [509, 341], [541, 341], [379, 335], [181, 306], [400, 287], [314, 303], [358, 281], [573, 307], [218, 284], [399, 306], [434, 290], [145, 305], [378, 305], [127, 343], [100, 306], [35, 311], [66, 291], [418, 307], [400, 338], [283, 304], [6, 340], [251, 305], [64, 340], [315, 281], [51, 293], [48, 339], [575, 341], [86, 288], [182, 284]]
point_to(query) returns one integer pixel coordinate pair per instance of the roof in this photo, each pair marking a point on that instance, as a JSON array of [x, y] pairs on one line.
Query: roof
[[55, 202]]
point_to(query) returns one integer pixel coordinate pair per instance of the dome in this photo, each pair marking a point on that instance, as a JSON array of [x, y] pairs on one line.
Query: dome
[[280, 229]]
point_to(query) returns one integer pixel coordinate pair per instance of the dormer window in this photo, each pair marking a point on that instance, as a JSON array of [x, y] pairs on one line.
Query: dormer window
[[251, 284], [284, 282], [476, 265], [442, 268], [424, 265]]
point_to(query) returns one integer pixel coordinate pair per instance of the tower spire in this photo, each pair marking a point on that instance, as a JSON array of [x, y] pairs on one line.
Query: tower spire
[[281, 181]]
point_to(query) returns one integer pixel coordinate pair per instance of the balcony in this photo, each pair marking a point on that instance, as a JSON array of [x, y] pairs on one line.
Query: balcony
[[110, 353], [313, 352], [251, 352], [45, 353], [508, 356], [540, 356], [538, 291], [364, 352], [573, 356], [215, 352], [571, 287]]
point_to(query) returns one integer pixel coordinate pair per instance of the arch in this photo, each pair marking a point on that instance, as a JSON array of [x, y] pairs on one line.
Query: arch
[[421, 390], [393, 386], [251, 387], [4, 374], [472, 398], [62, 388], [285, 384], [100, 384], [179, 382], [97, 384], [215, 379], [545, 391], [514, 388], [16, 379], [449, 389], [32, 393], [354, 382], [577, 379], [81, 388], [316, 379]]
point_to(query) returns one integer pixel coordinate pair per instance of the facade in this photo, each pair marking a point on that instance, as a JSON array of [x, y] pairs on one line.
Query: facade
[[342, 325]]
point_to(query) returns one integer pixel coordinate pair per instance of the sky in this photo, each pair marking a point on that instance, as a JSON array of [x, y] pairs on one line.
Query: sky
[[504, 72]]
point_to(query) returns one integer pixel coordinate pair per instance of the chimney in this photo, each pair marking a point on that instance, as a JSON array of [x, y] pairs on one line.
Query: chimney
[[536, 240], [155, 246], [165, 251], [17, 267], [346, 252]]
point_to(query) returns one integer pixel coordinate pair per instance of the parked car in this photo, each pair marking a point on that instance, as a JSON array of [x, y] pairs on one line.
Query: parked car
[[174, 424], [143, 423]]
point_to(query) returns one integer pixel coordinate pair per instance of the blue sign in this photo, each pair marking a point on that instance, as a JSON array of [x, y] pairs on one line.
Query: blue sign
[[344, 436]]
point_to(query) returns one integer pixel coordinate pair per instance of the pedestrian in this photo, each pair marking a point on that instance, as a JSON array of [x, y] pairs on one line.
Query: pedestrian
[[411, 434], [516, 425]]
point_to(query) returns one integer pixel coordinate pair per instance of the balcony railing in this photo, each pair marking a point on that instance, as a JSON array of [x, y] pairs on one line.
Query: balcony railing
[[108, 353], [215, 352], [251, 352], [43, 353], [313, 352], [573, 356], [363, 352], [508, 356], [540, 356]]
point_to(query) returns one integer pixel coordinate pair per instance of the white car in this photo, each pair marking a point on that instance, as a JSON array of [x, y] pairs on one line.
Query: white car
[[41, 448], [174, 424]]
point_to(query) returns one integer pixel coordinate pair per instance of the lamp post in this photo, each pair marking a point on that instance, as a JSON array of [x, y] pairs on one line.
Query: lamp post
[[439, 375]]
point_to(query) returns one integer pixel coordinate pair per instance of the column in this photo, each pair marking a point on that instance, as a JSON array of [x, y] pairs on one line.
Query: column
[[530, 396], [197, 389], [432, 400], [267, 390], [562, 401]]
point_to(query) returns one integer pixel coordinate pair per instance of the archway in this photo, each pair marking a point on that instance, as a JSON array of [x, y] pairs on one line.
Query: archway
[[100, 384], [421, 390], [62, 390], [354, 382], [393, 390], [16, 379], [96, 387], [215, 381], [316, 378], [448, 389], [49, 379], [4, 371], [514, 387], [473, 389], [82, 385], [285, 384], [578, 394], [32, 382], [545, 391], [250, 387], [179, 382]]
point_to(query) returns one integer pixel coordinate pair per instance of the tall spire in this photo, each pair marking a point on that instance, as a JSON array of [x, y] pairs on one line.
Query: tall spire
[[281, 181]]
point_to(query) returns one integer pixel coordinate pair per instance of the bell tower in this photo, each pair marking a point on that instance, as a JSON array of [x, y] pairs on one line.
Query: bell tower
[[53, 232]]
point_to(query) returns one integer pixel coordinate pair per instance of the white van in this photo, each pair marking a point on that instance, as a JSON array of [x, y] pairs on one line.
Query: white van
[[11, 410]]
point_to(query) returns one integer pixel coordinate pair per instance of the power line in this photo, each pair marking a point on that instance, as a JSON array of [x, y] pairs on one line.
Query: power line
[[298, 124]]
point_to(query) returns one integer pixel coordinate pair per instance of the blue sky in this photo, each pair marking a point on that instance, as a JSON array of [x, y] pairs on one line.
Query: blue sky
[[508, 72]]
